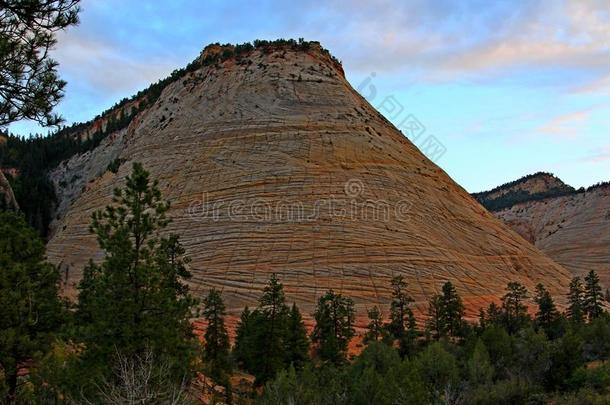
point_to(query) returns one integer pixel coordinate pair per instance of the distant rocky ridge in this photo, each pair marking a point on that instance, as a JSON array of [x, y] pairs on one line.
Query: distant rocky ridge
[[278, 125], [572, 228], [533, 187]]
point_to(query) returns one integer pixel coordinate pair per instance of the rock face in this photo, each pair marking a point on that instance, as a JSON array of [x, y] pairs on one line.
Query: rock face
[[274, 164], [7, 198], [534, 187], [574, 230]]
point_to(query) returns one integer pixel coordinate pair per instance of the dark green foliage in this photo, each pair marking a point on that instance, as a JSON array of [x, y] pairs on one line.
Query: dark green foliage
[[488, 365], [566, 356], [547, 316], [377, 376], [29, 84], [296, 342], [510, 391], [402, 321], [593, 297], [216, 346], [334, 328], [479, 367], [576, 301], [35, 195], [263, 337], [371, 375], [493, 202], [136, 300], [30, 309], [375, 329], [452, 310], [596, 336], [244, 339], [439, 371], [445, 313], [514, 308], [499, 347], [434, 324], [272, 323], [597, 378]]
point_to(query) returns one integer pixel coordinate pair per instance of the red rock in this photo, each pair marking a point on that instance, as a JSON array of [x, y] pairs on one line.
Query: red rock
[[284, 129]]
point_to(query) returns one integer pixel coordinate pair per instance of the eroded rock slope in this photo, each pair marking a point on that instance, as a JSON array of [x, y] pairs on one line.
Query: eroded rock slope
[[273, 163]]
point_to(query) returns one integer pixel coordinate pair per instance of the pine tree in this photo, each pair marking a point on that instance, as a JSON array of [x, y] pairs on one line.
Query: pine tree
[[402, 324], [593, 306], [446, 312], [399, 307], [270, 332], [452, 310], [576, 301], [297, 342], [136, 300], [375, 329], [494, 314], [434, 324], [547, 311], [31, 311], [242, 351], [513, 307], [334, 327], [30, 87], [216, 347]]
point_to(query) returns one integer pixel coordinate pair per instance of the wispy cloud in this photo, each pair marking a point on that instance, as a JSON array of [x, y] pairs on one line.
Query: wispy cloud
[[101, 65], [601, 155], [567, 125]]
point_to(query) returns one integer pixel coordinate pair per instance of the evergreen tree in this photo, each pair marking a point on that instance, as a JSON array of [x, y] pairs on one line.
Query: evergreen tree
[[334, 327], [434, 323], [446, 312], [30, 87], [593, 298], [402, 324], [494, 314], [297, 342], [272, 330], [136, 300], [576, 295], [479, 367], [243, 349], [216, 347], [547, 311], [513, 307], [31, 311], [452, 310], [399, 307], [375, 328]]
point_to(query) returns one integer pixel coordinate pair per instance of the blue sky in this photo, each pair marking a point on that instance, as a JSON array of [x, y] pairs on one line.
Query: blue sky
[[508, 87]]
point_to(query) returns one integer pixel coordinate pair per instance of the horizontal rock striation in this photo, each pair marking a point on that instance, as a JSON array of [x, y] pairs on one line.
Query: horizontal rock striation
[[274, 164], [573, 230]]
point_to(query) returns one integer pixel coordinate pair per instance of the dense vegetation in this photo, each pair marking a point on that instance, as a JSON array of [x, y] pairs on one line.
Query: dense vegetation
[[128, 338]]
